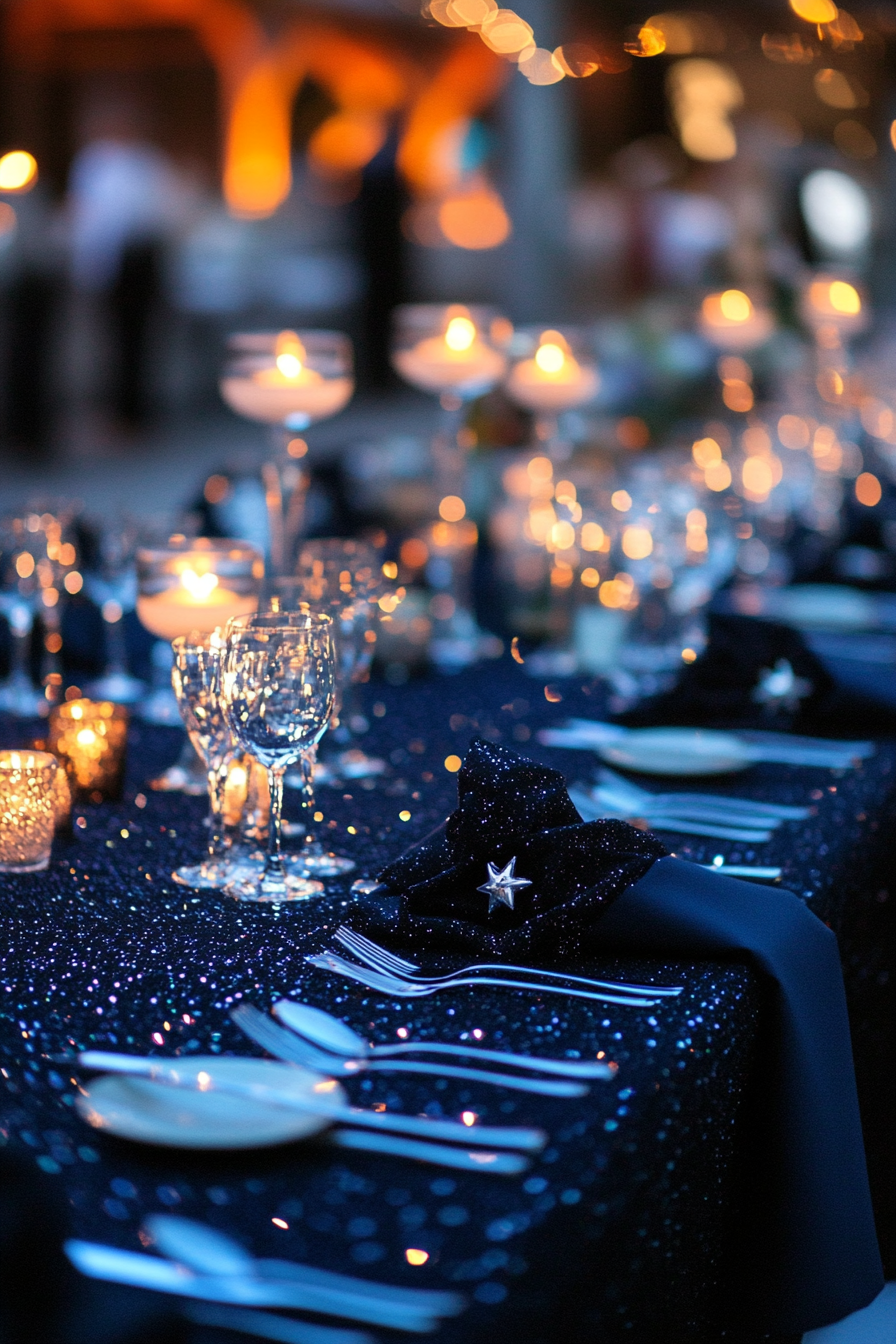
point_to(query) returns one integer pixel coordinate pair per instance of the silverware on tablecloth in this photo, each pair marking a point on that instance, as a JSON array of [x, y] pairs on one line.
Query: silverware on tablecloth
[[285, 1045], [286, 1286], [448, 1131], [381, 959], [335, 1036], [265, 1325], [716, 808], [596, 805], [752, 747], [407, 988]]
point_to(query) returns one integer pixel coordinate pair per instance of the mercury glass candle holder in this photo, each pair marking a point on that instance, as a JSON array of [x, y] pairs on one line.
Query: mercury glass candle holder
[[27, 810], [90, 738]]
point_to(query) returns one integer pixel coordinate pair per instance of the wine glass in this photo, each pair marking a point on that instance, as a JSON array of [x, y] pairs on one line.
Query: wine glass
[[288, 380], [196, 676], [279, 683]]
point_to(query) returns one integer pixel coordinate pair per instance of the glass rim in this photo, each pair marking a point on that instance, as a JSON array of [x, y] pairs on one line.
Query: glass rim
[[313, 622]]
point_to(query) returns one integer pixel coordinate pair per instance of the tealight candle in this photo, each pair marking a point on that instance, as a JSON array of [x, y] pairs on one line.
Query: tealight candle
[[27, 810], [731, 321], [197, 585], [89, 737], [286, 390], [553, 379], [458, 360]]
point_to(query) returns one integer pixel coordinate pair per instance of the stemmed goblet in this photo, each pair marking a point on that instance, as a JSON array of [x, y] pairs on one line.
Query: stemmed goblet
[[287, 380], [196, 678], [279, 682]]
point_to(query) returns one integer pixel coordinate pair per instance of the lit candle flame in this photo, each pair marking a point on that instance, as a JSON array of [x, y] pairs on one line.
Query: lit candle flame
[[460, 333], [735, 305], [289, 354], [199, 586], [550, 355]]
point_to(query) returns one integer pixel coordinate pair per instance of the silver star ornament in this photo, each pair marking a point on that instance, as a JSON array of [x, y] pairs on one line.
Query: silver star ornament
[[502, 884]]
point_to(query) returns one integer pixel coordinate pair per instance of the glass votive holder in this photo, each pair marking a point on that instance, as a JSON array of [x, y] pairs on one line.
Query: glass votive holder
[[89, 737], [27, 810], [196, 584]]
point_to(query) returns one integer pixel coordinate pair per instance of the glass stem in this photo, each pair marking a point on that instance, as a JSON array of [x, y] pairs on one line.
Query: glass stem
[[216, 779], [306, 768], [449, 457], [274, 865]]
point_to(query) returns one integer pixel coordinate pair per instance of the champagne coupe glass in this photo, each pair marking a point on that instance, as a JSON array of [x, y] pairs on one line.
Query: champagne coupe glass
[[190, 584], [196, 676], [553, 371], [280, 687], [287, 380], [457, 352]]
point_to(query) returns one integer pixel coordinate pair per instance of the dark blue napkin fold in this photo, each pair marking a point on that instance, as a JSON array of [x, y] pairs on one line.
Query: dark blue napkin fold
[[804, 1248]]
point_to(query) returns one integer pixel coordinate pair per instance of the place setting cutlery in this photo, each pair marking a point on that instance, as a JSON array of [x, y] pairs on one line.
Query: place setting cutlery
[[296, 1048], [713, 815], [199, 1262], [227, 1102], [380, 969], [701, 751]]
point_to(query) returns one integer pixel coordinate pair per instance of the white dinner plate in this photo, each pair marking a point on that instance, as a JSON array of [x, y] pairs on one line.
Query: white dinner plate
[[676, 751], [181, 1117]]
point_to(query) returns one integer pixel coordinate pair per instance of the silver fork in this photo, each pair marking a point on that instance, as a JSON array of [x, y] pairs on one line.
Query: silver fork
[[285, 1045], [381, 959], [406, 988]]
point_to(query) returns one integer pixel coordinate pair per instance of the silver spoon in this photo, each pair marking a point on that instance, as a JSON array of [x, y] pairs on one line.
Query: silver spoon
[[331, 1034]]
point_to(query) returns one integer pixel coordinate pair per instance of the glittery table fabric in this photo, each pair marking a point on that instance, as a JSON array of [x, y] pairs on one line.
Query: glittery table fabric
[[620, 1231]]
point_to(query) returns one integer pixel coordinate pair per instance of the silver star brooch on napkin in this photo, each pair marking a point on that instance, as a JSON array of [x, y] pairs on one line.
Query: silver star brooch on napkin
[[779, 687], [502, 884]]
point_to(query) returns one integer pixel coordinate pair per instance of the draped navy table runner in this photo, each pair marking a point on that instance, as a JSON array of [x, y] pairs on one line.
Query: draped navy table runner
[[622, 1230]]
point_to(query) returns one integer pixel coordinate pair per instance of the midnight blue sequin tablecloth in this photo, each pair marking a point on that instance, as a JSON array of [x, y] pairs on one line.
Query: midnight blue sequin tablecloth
[[621, 1228]]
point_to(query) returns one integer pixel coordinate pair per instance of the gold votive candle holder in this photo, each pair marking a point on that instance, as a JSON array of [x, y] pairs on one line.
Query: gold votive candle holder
[[89, 737], [27, 810]]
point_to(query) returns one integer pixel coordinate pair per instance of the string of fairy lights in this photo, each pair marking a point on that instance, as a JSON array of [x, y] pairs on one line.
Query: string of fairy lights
[[679, 33]]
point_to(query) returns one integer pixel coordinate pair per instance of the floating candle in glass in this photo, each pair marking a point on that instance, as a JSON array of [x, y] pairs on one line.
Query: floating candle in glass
[[449, 348], [830, 302], [89, 737], [731, 320], [549, 377], [291, 379], [27, 810], [198, 584]]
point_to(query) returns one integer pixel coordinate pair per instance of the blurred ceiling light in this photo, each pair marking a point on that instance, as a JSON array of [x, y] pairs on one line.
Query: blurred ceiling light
[[472, 12], [854, 140], [475, 218], [539, 67], [346, 142], [788, 49], [833, 88], [686, 32], [579, 61], [703, 94], [649, 42], [893, 134], [18, 171], [815, 11], [836, 210], [443, 12], [257, 167], [505, 32]]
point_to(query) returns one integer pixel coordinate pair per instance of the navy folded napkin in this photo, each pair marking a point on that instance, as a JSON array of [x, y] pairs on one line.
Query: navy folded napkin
[[763, 675], [805, 1249]]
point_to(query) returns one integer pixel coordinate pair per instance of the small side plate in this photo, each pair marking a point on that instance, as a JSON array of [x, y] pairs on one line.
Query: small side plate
[[182, 1117], [677, 751]]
